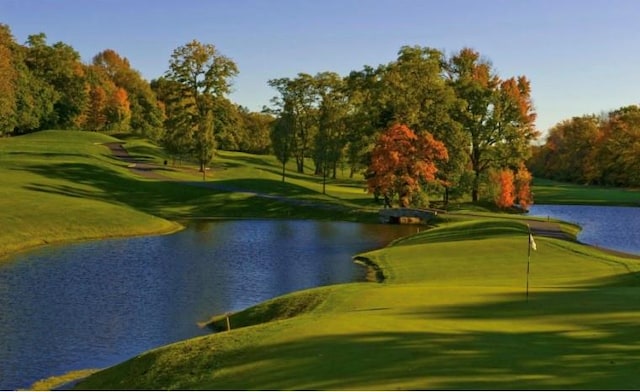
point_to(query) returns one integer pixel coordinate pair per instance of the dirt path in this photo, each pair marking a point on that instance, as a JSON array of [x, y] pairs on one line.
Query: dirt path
[[137, 166]]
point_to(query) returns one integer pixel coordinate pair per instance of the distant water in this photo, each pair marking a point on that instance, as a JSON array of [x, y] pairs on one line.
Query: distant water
[[616, 228], [94, 304]]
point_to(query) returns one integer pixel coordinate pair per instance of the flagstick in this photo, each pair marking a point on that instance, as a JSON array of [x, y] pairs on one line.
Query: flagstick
[[528, 261]]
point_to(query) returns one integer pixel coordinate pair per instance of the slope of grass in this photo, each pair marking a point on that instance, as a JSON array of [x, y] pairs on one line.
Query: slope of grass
[[54, 189], [451, 315]]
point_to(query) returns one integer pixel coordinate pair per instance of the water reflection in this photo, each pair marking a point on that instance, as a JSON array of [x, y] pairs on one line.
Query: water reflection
[[98, 303]]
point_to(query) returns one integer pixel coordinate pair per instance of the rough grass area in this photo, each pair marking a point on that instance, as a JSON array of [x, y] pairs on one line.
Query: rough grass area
[[452, 315]]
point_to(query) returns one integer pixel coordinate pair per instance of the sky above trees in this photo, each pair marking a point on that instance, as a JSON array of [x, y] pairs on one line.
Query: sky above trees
[[581, 56]]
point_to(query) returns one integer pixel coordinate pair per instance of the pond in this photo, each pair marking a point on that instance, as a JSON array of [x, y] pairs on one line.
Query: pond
[[616, 228], [94, 304]]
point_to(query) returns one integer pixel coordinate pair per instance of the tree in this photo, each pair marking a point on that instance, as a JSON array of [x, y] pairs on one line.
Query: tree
[[282, 137], [96, 118], [299, 97], [497, 114], [119, 110], [618, 156], [146, 117], [522, 182], [203, 76], [330, 138], [570, 152], [415, 93], [8, 83], [364, 119], [505, 195], [255, 131], [400, 161], [59, 66]]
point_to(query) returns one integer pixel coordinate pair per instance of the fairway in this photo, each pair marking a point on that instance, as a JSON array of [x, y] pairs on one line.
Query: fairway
[[452, 314]]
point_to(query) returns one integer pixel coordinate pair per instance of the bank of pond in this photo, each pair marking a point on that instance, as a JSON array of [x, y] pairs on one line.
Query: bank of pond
[[94, 304]]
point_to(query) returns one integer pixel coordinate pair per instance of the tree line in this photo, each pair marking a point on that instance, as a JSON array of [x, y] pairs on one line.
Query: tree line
[[593, 150], [485, 124], [45, 86], [472, 122]]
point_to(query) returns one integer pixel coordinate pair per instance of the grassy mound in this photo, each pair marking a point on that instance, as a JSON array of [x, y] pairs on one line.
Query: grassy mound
[[452, 315], [280, 308], [63, 185]]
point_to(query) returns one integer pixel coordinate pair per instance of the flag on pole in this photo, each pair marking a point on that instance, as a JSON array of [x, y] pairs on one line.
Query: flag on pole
[[532, 243]]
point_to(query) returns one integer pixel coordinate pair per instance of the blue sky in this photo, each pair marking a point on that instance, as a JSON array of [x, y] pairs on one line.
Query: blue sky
[[582, 56]]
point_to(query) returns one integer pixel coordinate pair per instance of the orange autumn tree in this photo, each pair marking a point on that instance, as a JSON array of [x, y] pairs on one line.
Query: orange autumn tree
[[505, 195], [400, 161], [510, 188], [522, 183]]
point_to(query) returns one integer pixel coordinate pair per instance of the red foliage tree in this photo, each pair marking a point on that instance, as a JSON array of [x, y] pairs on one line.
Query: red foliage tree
[[400, 160]]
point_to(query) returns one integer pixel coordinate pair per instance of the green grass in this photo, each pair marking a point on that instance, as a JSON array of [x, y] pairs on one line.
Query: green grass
[[57, 186], [553, 192], [452, 314]]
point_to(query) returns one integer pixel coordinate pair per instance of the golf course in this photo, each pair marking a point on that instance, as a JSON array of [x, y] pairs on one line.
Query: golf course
[[454, 308]]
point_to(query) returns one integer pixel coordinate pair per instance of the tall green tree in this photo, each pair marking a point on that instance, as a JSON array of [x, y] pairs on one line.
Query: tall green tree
[[497, 114], [26, 100], [365, 117], [255, 131], [332, 124], [298, 97], [203, 77], [283, 137], [59, 66], [618, 157]]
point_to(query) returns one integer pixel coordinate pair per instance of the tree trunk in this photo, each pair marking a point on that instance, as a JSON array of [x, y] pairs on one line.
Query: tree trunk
[[203, 170], [283, 172], [300, 164], [476, 187]]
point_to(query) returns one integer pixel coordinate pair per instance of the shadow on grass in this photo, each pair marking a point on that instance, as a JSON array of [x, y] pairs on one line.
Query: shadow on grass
[[476, 360], [175, 199], [598, 347]]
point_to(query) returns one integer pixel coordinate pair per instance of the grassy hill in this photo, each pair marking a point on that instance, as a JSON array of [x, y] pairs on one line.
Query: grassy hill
[[62, 185]]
